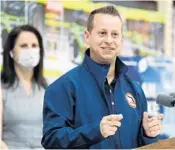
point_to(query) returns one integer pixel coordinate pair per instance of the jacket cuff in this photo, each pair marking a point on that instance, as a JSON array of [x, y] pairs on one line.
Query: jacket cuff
[[98, 137], [148, 140]]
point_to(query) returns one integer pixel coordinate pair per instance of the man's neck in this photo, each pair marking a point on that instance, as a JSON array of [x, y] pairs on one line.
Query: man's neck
[[111, 72]]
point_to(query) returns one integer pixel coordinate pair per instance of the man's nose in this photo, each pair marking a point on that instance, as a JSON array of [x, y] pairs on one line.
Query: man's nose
[[109, 40]]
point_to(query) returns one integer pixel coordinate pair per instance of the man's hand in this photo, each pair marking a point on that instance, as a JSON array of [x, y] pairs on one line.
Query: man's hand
[[153, 125], [109, 124]]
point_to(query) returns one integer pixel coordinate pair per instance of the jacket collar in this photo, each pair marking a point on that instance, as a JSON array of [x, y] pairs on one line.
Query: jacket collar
[[100, 71]]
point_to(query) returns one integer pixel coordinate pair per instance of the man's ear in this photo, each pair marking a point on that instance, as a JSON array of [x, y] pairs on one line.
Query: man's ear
[[87, 37]]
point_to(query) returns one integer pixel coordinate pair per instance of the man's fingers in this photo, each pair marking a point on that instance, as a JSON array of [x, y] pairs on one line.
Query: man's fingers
[[111, 133], [155, 128], [114, 128], [116, 124], [112, 123], [154, 123], [160, 116], [145, 116], [107, 130], [114, 117]]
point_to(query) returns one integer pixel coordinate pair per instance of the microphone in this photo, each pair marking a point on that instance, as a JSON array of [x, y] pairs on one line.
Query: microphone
[[165, 100], [172, 94]]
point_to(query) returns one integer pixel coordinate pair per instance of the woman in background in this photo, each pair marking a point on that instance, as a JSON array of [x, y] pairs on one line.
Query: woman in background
[[23, 88], [2, 144]]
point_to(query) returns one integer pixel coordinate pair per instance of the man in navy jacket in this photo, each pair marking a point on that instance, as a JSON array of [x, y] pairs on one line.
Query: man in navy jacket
[[95, 105]]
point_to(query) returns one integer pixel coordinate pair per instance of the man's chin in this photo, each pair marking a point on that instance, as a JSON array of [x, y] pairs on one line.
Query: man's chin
[[108, 60]]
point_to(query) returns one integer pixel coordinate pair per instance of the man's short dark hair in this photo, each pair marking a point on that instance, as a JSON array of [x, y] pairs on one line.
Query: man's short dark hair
[[109, 10]]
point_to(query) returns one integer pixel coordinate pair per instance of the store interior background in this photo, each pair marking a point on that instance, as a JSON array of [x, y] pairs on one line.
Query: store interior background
[[148, 50]]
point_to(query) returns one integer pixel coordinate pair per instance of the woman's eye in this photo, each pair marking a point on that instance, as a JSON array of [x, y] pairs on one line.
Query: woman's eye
[[35, 45], [23, 45]]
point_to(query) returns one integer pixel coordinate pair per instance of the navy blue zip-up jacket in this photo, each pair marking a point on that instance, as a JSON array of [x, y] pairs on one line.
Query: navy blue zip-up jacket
[[75, 104]]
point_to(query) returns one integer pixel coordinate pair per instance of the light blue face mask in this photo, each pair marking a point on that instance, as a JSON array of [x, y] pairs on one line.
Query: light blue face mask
[[28, 58]]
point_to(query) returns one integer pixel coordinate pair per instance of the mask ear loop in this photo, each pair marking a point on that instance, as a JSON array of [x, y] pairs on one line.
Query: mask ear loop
[[11, 54]]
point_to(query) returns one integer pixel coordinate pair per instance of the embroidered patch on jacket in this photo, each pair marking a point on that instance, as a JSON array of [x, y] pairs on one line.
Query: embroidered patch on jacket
[[131, 100]]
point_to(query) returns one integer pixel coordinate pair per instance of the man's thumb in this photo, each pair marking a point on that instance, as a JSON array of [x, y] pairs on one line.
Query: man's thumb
[[145, 116]]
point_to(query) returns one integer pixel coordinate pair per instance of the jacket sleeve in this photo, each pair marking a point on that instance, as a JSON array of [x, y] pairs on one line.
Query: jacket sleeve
[[143, 139], [58, 120]]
